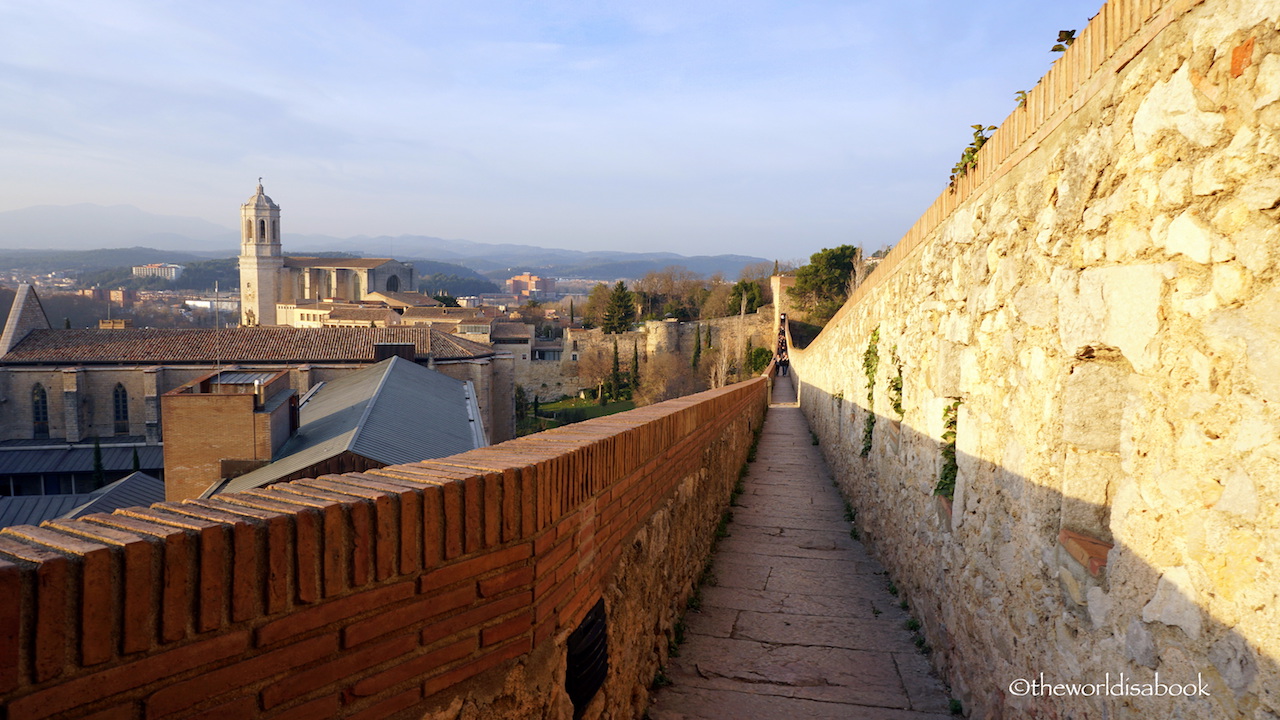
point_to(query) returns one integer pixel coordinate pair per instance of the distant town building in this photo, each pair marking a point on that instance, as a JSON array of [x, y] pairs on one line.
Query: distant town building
[[115, 324], [64, 387], [120, 297], [268, 278], [168, 271], [531, 287]]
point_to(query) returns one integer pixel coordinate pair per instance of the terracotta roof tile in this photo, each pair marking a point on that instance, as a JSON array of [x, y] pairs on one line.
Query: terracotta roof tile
[[251, 344]]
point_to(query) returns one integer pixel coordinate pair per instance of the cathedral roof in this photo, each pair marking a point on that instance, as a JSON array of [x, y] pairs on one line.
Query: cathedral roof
[[330, 262], [259, 200], [233, 345]]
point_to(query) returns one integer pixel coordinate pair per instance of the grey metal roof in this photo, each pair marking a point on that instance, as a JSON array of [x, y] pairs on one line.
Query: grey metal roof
[[242, 377], [394, 412], [137, 489], [35, 509], [76, 458]]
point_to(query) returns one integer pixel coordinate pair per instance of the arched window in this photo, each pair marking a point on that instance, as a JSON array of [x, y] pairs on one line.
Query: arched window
[[393, 284], [275, 230], [120, 409], [39, 412], [262, 229], [248, 229]]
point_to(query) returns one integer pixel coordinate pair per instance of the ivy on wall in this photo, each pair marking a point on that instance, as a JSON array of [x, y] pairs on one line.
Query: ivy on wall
[[946, 486], [895, 383], [870, 363]]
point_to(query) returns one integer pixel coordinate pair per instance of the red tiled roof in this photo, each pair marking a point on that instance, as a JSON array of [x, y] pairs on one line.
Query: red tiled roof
[[251, 344], [510, 331], [443, 313], [347, 313]]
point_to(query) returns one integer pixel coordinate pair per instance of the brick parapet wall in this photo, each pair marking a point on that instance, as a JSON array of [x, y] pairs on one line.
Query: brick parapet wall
[[358, 595]]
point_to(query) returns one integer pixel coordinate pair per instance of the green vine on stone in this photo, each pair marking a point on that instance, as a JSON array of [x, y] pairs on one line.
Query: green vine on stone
[[1021, 97], [1065, 39], [895, 384], [946, 486], [870, 363], [969, 158]]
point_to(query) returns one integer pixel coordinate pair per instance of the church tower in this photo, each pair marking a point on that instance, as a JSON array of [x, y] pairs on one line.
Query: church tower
[[260, 259]]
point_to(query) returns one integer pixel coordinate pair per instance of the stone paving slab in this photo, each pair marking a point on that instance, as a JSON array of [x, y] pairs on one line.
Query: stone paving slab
[[797, 621]]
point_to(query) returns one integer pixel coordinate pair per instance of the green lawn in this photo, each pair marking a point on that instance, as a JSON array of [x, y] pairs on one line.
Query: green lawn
[[570, 410]]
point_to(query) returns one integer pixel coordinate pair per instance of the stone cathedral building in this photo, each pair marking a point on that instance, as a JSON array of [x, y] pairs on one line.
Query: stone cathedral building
[[269, 278]]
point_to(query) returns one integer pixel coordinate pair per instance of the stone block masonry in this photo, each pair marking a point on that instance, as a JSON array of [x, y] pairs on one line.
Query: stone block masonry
[[1100, 296], [401, 592]]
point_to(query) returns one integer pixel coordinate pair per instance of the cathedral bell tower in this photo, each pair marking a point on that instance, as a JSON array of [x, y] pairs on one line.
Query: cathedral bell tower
[[260, 259]]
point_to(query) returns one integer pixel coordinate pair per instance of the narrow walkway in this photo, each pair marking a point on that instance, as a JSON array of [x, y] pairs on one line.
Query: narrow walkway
[[799, 622]]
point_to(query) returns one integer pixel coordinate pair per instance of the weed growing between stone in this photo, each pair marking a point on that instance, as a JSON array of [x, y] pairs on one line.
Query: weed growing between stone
[[955, 707], [814, 435], [722, 530], [660, 679]]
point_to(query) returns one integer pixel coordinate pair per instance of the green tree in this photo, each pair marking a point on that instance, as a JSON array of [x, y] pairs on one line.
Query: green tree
[[620, 314], [748, 289], [137, 464], [99, 470], [615, 375], [634, 376], [697, 346], [822, 286], [522, 403], [446, 300]]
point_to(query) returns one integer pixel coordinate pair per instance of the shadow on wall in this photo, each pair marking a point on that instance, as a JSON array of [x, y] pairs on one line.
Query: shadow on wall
[[1017, 582]]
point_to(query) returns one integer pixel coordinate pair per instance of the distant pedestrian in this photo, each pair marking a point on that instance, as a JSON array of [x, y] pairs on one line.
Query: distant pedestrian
[[784, 364]]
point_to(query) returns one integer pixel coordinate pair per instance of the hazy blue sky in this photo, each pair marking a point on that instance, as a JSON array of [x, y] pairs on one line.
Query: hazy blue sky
[[764, 127]]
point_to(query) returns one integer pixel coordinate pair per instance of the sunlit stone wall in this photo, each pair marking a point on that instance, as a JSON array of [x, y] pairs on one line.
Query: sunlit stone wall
[[1103, 302]]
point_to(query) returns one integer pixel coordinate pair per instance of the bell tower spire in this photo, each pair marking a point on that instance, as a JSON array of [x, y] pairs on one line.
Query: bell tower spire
[[261, 260]]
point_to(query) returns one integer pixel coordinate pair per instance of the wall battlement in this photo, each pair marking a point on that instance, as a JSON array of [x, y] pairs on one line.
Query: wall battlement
[[1090, 318], [368, 594]]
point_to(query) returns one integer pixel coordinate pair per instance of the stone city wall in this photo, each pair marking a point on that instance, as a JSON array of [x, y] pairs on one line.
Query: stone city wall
[[1101, 297], [445, 588]]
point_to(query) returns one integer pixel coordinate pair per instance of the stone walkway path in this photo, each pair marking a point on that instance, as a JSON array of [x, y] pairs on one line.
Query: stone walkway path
[[799, 624]]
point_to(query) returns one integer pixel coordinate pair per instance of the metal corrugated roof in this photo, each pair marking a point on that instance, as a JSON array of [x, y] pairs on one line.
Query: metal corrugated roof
[[21, 461], [137, 489], [35, 509], [393, 412], [242, 377]]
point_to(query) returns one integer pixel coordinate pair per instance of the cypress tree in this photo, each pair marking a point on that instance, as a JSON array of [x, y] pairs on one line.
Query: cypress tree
[[137, 464], [99, 470], [635, 368], [697, 346], [615, 375]]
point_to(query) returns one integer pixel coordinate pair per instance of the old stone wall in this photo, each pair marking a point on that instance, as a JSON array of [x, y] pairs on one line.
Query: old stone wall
[[1101, 298], [445, 589]]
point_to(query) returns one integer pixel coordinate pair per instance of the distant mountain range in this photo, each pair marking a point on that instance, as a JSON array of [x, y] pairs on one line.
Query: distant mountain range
[[46, 229]]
